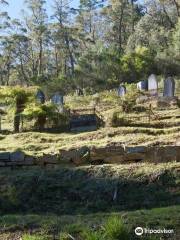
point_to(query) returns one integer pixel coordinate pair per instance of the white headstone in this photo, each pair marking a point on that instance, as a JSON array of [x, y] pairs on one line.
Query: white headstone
[[121, 90], [169, 87], [153, 84]]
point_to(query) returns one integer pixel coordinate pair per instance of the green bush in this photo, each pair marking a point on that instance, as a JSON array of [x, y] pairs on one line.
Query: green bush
[[43, 113], [129, 100], [19, 97], [115, 229]]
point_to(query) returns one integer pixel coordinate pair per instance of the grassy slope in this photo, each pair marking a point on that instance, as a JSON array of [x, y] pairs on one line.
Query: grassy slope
[[164, 131], [71, 198]]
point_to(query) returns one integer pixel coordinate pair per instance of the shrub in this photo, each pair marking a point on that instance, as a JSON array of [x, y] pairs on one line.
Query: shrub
[[115, 229], [43, 113], [129, 100], [19, 97]]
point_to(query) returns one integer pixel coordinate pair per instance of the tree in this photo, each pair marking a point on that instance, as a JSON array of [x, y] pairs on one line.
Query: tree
[[136, 65], [121, 16], [37, 31]]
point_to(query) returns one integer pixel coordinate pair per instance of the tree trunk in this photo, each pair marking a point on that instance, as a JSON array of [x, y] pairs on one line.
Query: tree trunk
[[19, 109], [40, 57]]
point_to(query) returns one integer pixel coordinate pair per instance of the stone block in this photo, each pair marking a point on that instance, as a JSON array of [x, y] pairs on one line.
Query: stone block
[[134, 157], [48, 158], [114, 159], [2, 164], [17, 156], [14, 163], [29, 160], [4, 156], [136, 149]]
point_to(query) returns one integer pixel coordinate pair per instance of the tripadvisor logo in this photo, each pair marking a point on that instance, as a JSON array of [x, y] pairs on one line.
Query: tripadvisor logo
[[139, 231]]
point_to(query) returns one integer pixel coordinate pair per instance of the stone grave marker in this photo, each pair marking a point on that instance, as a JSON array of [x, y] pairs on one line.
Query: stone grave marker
[[121, 90], [40, 96], [169, 87], [142, 85], [57, 99], [153, 85]]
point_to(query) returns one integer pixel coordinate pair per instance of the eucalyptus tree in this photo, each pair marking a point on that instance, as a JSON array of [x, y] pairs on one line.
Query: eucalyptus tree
[[65, 38], [3, 15], [36, 23], [122, 17], [4, 24]]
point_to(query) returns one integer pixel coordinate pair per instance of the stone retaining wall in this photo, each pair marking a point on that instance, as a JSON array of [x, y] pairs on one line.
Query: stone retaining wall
[[113, 153], [120, 154]]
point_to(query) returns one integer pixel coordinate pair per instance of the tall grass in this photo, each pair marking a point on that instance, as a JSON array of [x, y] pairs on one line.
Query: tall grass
[[115, 229]]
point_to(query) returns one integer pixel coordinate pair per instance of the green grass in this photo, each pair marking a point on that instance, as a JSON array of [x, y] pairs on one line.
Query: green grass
[[39, 143], [93, 226], [33, 237], [89, 189], [41, 204]]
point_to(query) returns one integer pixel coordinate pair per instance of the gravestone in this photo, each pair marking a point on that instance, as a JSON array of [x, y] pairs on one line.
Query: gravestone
[[169, 87], [57, 99], [40, 96], [121, 90], [142, 85], [153, 85]]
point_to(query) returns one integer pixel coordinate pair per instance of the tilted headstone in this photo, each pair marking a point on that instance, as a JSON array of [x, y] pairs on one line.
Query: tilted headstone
[[153, 84], [142, 85], [40, 96], [121, 90], [57, 99], [169, 87]]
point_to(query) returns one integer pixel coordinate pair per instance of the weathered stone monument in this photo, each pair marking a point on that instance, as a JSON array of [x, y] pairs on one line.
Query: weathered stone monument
[[57, 99], [169, 87], [121, 90], [153, 85], [142, 85], [40, 96]]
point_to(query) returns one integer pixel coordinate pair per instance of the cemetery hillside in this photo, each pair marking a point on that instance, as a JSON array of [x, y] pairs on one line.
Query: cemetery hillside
[[90, 120]]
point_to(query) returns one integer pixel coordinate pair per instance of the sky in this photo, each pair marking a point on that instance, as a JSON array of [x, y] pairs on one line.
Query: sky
[[15, 6]]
